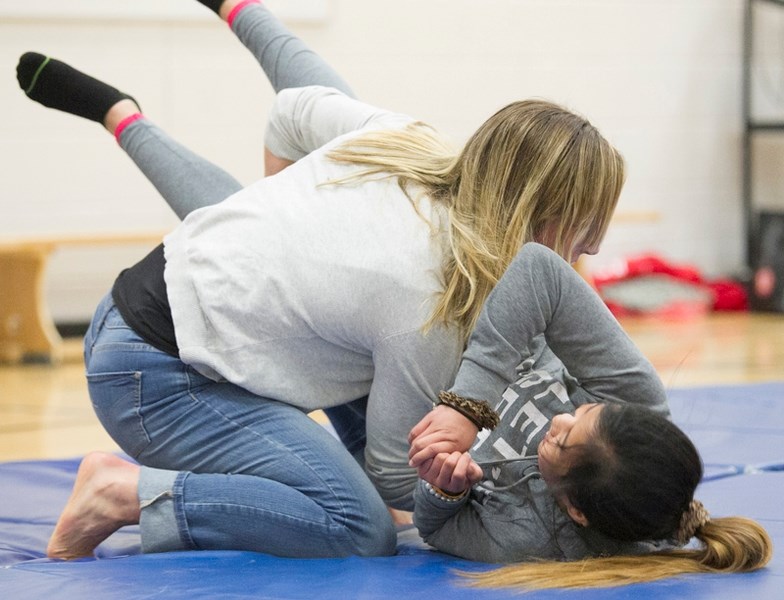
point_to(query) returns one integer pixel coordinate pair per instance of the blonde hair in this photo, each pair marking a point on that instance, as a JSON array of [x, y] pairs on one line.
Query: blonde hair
[[728, 545], [534, 171]]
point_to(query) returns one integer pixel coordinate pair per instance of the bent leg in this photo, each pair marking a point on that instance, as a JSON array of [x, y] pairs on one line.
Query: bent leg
[[216, 511], [255, 474], [185, 180], [224, 468]]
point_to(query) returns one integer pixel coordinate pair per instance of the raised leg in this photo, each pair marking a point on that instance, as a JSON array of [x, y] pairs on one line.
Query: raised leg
[[224, 468], [185, 180], [286, 60]]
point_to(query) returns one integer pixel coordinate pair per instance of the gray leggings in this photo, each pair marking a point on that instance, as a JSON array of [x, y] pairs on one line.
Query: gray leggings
[[187, 181]]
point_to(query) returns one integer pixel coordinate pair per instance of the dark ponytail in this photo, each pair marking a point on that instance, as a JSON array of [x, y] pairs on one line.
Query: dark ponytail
[[635, 481]]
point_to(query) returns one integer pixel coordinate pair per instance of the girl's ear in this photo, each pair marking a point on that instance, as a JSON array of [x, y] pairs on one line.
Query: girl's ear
[[575, 514]]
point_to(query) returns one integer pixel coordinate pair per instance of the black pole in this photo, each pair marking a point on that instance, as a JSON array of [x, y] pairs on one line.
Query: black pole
[[747, 189]]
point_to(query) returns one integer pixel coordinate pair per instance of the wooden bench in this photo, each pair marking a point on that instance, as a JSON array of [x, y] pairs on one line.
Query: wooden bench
[[26, 327]]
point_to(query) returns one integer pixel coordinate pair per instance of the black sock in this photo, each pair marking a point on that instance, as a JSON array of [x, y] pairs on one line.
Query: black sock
[[213, 5], [57, 85]]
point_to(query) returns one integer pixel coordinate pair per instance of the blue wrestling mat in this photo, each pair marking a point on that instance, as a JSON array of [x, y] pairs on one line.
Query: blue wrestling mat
[[739, 431]]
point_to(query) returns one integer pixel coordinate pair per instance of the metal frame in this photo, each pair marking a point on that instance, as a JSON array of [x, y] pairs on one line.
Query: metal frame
[[751, 126]]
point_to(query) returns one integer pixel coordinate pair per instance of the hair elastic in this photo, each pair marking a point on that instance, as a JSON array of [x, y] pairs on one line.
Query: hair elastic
[[692, 521]]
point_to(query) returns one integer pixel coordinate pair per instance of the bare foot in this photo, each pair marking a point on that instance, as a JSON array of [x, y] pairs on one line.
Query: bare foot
[[401, 517], [104, 498]]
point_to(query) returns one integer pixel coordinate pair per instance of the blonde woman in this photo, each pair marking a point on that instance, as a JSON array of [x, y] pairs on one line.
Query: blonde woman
[[579, 476], [357, 270]]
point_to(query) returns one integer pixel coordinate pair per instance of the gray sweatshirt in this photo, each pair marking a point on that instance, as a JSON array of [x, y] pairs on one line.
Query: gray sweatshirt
[[544, 344]]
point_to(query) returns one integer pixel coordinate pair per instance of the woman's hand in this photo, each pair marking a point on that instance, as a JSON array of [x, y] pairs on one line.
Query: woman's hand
[[442, 431], [453, 473]]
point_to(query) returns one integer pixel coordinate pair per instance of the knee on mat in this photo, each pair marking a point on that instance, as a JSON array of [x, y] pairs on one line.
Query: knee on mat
[[376, 537]]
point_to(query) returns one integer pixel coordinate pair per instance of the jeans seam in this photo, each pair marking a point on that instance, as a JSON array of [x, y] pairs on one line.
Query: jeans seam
[[137, 401], [178, 491], [96, 326], [254, 509]]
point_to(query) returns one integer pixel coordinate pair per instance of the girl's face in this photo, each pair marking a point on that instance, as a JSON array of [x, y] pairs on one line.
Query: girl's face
[[547, 238], [581, 249], [567, 431]]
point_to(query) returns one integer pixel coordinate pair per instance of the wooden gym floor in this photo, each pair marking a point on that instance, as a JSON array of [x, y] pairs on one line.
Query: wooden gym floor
[[45, 410]]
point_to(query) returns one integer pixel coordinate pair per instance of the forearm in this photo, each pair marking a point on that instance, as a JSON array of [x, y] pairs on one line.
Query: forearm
[[456, 527], [432, 512], [410, 370], [541, 294]]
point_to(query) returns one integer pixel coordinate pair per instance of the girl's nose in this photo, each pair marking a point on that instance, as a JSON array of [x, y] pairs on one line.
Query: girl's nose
[[560, 423]]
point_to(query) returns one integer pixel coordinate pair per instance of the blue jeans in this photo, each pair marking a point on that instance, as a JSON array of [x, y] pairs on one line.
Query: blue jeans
[[223, 468], [350, 423]]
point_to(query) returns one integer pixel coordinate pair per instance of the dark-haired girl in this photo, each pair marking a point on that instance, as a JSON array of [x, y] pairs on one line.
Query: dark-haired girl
[[577, 461]]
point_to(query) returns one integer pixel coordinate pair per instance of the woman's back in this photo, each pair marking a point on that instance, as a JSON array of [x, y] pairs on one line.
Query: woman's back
[[318, 276]]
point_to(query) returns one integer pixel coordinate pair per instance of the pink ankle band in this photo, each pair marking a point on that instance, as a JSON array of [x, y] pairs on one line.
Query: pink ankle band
[[124, 123], [236, 10]]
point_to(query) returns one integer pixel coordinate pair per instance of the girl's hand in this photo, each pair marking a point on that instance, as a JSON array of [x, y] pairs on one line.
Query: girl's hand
[[442, 430], [453, 473]]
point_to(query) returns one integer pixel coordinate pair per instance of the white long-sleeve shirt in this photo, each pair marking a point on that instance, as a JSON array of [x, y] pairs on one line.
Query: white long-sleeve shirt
[[316, 294]]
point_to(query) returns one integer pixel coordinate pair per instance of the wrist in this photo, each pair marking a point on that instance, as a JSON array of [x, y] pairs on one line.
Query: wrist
[[444, 495], [478, 412], [456, 418]]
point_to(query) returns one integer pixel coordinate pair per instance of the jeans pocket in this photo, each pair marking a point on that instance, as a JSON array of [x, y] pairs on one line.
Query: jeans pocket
[[116, 399]]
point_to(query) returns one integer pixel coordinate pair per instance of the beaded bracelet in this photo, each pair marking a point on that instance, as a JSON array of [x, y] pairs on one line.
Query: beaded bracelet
[[476, 411], [442, 495]]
